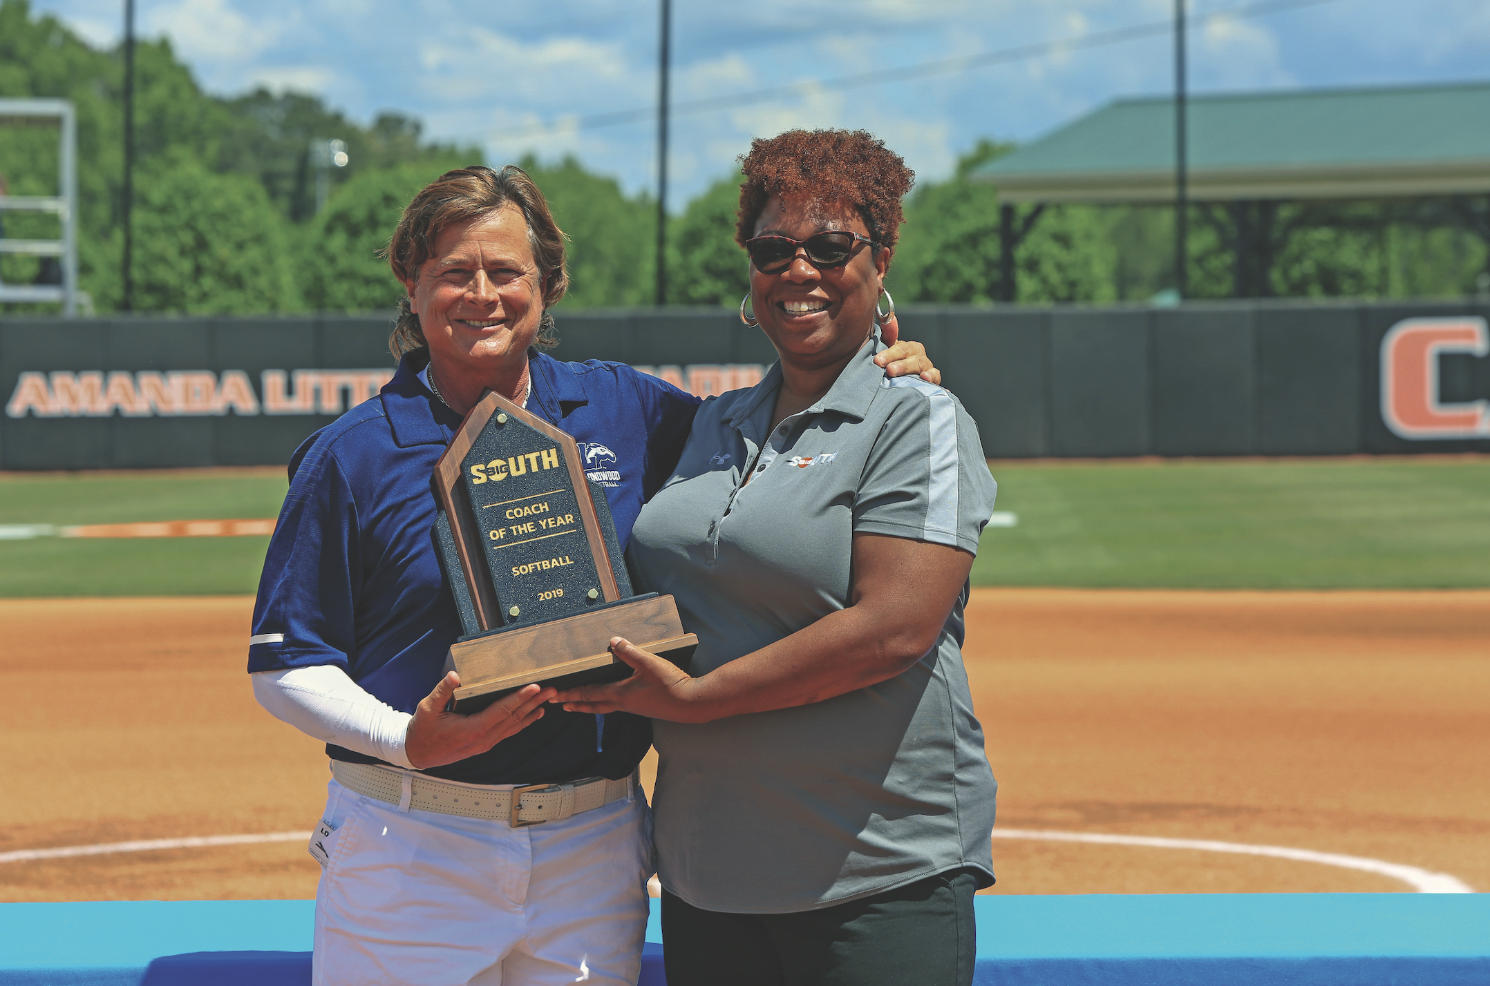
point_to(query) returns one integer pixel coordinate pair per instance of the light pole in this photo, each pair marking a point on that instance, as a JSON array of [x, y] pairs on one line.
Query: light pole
[[325, 155], [665, 31], [1181, 165], [127, 261]]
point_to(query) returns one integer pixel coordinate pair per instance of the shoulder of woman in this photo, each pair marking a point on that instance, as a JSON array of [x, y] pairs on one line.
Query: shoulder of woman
[[897, 391], [597, 375], [349, 434], [718, 407], [910, 402]]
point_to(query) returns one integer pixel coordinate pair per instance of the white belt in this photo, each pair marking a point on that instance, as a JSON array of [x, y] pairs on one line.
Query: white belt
[[518, 806]]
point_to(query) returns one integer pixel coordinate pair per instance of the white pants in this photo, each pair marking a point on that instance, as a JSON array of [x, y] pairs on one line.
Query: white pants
[[431, 899]]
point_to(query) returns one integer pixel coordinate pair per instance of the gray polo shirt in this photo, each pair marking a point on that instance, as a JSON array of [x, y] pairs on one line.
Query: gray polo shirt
[[807, 807]]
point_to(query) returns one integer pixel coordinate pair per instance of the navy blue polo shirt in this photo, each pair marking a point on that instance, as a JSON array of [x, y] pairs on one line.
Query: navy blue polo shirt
[[352, 578]]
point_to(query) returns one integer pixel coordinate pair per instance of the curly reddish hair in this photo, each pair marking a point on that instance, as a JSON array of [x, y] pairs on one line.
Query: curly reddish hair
[[830, 165]]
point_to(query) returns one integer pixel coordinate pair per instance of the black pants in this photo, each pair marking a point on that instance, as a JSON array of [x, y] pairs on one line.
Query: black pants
[[919, 935]]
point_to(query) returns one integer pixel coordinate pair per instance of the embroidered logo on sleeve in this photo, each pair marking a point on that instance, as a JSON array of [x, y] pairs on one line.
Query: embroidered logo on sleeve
[[600, 464], [803, 461]]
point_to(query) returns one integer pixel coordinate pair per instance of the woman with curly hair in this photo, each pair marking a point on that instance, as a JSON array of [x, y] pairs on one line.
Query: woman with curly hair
[[823, 800]]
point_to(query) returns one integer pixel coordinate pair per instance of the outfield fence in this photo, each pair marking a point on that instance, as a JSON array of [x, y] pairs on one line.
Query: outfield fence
[[1202, 379]]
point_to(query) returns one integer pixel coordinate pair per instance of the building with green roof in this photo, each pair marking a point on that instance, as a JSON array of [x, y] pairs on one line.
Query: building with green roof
[[1254, 151]]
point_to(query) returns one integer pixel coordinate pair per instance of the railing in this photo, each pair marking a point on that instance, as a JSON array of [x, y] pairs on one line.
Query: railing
[[63, 205]]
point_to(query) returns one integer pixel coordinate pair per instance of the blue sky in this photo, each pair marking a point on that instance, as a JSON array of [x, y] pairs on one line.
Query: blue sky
[[518, 76]]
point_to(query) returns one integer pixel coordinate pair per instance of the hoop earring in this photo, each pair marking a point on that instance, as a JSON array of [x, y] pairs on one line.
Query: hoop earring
[[747, 319], [880, 318]]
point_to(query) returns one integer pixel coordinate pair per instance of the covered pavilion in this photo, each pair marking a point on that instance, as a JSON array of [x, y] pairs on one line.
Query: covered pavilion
[[1250, 153]]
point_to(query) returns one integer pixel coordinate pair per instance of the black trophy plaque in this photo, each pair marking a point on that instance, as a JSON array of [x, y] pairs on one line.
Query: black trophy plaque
[[532, 558]]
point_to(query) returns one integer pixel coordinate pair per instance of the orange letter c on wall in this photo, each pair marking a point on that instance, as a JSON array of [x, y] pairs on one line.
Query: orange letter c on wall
[[1409, 378]]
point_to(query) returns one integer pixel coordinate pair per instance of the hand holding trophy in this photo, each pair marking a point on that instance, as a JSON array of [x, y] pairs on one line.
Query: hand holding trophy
[[533, 560]]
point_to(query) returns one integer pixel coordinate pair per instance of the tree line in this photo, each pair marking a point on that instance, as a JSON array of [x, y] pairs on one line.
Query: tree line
[[225, 217]]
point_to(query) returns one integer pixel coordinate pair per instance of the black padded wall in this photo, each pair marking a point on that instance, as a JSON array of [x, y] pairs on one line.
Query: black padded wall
[[1232, 378]]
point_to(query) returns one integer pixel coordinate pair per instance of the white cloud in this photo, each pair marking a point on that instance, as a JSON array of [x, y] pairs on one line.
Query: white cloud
[[98, 22], [297, 78], [925, 145], [912, 10], [97, 32], [1076, 23], [714, 76], [492, 62], [814, 108], [212, 30], [1237, 54]]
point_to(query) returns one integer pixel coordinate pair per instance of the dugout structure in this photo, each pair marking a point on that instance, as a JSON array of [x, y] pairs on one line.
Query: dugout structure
[[1419, 146], [63, 205]]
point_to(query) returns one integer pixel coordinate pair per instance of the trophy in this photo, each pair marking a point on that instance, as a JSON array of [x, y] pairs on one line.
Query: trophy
[[532, 557]]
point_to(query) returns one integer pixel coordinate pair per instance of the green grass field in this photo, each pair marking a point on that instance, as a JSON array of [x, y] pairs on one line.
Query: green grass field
[[1312, 524], [51, 566], [1318, 524]]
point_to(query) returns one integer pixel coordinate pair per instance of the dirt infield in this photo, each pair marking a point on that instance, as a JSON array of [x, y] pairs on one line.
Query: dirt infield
[[1347, 722]]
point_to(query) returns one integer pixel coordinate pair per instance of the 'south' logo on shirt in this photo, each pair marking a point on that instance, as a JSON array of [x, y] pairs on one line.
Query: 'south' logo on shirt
[[803, 461], [600, 464]]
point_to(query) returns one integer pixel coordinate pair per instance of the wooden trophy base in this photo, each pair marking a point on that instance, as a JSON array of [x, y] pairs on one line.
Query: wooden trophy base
[[566, 652]]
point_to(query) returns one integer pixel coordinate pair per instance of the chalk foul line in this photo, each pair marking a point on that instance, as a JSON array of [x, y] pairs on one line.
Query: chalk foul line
[[146, 529], [1421, 880], [147, 845]]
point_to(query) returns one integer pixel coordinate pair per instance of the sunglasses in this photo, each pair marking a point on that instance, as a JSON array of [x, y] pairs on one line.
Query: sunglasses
[[825, 251]]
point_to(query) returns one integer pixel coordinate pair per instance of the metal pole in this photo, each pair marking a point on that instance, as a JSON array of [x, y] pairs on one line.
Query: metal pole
[[322, 157], [69, 193], [1181, 192], [665, 31], [129, 156], [1008, 290]]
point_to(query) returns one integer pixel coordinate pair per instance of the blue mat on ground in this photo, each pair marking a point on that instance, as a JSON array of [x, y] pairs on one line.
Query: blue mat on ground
[[1235, 939], [1218, 940]]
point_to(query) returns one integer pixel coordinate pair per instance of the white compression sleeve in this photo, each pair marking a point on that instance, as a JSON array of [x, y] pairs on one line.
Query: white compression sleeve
[[323, 702]]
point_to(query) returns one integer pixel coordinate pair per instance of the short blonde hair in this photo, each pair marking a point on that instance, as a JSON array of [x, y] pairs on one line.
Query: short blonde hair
[[460, 196]]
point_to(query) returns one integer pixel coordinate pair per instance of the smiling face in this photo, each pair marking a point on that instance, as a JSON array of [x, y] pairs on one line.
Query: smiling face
[[479, 298], [816, 318]]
